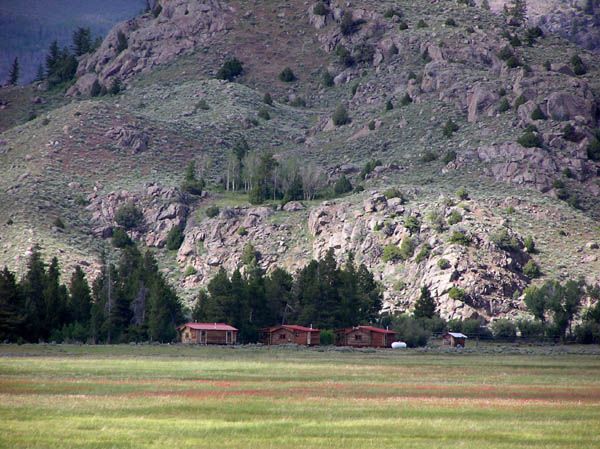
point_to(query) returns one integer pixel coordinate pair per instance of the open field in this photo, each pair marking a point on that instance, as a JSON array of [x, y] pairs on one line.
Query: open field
[[157, 397]]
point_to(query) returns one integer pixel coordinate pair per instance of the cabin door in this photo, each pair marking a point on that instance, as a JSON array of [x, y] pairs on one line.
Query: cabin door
[[308, 338], [227, 337], [202, 337]]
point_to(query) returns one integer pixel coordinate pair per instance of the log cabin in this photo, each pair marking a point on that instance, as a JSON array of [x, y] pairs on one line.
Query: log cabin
[[208, 333], [365, 337], [455, 339], [290, 334]]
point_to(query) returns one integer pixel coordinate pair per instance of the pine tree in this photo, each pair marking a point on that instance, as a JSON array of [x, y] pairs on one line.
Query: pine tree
[[33, 291], [11, 307], [82, 41], [40, 73], [425, 305], [14, 73], [163, 313], [55, 299], [81, 299], [52, 58]]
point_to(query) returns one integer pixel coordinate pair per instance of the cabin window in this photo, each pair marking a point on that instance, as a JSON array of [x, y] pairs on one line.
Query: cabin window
[[358, 337], [282, 336]]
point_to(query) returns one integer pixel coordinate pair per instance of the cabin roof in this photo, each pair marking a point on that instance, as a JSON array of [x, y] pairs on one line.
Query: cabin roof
[[293, 327], [209, 326], [457, 335], [377, 330]]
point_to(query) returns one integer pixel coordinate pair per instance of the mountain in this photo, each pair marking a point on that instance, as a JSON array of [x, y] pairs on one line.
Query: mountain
[[465, 143], [28, 28]]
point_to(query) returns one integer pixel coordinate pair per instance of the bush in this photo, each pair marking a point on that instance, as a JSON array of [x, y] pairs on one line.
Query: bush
[[96, 89], [504, 329], [364, 53], [530, 140], [298, 102], [327, 79], [347, 24], [521, 100], [407, 248], [505, 53], [450, 128], [230, 69], [462, 194], [391, 253], [122, 43], [406, 100], [454, 217], [267, 99], [263, 113], [529, 244], [443, 264], [429, 156], [504, 105], [115, 87], [410, 330], [503, 240], [569, 133], [402, 25], [537, 114], [515, 41], [189, 271], [460, 238], [129, 216], [320, 9], [391, 12], [450, 156], [371, 125], [588, 332], [212, 211], [120, 239], [369, 167], [451, 22], [344, 56], [340, 116], [412, 224], [423, 253], [389, 105], [287, 75], [579, 67], [190, 183], [422, 24], [174, 238], [201, 105], [249, 254], [513, 62], [327, 337], [530, 329], [531, 269], [342, 185], [457, 294], [593, 150], [58, 223], [393, 192], [242, 231]]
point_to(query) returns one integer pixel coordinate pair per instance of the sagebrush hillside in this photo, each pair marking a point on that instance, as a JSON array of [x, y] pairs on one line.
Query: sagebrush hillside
[[439, 98]]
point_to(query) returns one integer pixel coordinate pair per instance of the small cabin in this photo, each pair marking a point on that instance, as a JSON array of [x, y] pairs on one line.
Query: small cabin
[[290, 334], [208, 334], [455, 339], [365, 337]]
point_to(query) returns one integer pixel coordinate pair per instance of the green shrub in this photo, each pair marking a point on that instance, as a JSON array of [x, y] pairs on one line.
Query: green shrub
[[393, 192], [505, 53], [450, 156], [530, 329], [327, 337], [530, 140], [429, 156], [407, 248], [267, 99], [327, 79], [212, 211], [369, 167], [371, 125], [504, 105], [406, 100], [389, 105], [189, 271], [58, 223], [201, 105], [423, 253], [515, 41], [451, 22], [457, 294], [521, 100], [410, 330], [287, 75], [504, 329], [230, 69], [115, 87], [347, 24], [340, 116], [537, 114], [422, 24], [344, 56], [412, 224], [460, 238], [569, 133], [191, 184], [391, 12], [454, 217], [129, 216], [579, 67], [263, 113], [513, 62], [342, 185], [174, 238], [120, 239], [402, 25], [122, 43], [320, 9], [298, 102], [450, 128], [391, 253], [531, 269], [96, 89], [593, 150], [462, 194], [364, 53], [242, 231], [503, 240], [529, 244], [443, 264], [249, 254]]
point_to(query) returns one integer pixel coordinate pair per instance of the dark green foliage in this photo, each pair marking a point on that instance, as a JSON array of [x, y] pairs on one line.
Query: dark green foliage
[[327, 337], [115, 87], [392, 12], [298, 102], [593, 150], [456, 293], [364, 53], [450, 128], [407, 248], [263, 113], [391, 253], [411, 330], [191, 184], [412, 224], [80, 304], [569, 133], [454, 217], [344, 56], [451, 22], [423, 253], [369, 167], [156, 10], [61, 65], [348, 25], [342, 185], [533, 34], [58, 223], [12, 310], [422, 24], [287, 75], [503, 240], [320, 9], [230, 69], [425, 305], [505, 53], [513, 62], [406, 100], [129, 216], [443, 264], [462, 194], [389, 105], [122, 42], [96, 89], [578, 65], [120, 239], [529, 244], [504, 105], [174, 238], [340, 116], [212, 211], [537, 114], [402, 25], [520, 101], [327, 79], [515, 41], [530, 140], [504, 329], [371, 125], [429, 156], [82, 41], [394, 192], [460, 238], [267, 99], [14, 73], [531, 269]]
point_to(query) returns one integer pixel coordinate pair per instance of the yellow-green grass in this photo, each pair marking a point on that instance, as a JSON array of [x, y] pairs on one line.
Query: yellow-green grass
[[178, 397]]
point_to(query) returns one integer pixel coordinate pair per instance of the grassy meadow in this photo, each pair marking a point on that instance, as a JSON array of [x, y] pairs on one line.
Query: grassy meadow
[[188, 397]]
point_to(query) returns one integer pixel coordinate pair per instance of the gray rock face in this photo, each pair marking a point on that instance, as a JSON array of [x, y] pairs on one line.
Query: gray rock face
[[129, 138]]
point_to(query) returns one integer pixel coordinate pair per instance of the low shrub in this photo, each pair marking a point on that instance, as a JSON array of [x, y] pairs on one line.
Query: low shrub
[[189, 271], [451, 22], [530, 140], [327, 79], [504, 105], [460, 238], [342, 185], [391, 253], [423, 253], [393, 192], [443, 264], [389, 105], [532, 269], [412, 224], [212, 211], [174, 238], [422, 24], [529, 244], [287, 75], [320, 9], [340, 116], [537, 114], [267, 99], [120, 239], [129, 216], [406, 100], [263, 113], [429, 156], [504, 329], [450, 156], [242, 231], [462, 194], [230, 69], [454, 217], [456, 293], [503, 240], [450, 128]]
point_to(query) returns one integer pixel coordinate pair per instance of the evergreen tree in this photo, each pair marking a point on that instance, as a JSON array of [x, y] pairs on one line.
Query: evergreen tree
[[52, 58], [191, 184], [40, 73], [14, 73], [425, 305], [56, 299], [82, 41], [81, 298], [165, 312], [370, 293], [278, 295], [11, 307], [33, 286]]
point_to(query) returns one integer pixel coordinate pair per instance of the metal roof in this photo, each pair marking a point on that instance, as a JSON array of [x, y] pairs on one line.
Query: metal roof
[[377, 330], [457, 335], [209, 326], [293, 327]]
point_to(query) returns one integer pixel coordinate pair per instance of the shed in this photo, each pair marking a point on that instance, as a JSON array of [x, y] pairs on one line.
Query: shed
[[455, 339], [365, 336], [290, 333], [208, 333]]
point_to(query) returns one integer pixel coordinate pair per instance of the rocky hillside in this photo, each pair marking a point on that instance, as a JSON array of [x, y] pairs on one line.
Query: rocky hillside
[[438, 93]]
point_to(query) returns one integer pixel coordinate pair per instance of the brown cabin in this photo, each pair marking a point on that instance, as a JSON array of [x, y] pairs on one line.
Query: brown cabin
[[365, 336], [208, 333], [455, 339], [290, 333]]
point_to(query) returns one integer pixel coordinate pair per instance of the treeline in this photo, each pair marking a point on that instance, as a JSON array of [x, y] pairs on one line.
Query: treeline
[[323, 294], [130, 301]]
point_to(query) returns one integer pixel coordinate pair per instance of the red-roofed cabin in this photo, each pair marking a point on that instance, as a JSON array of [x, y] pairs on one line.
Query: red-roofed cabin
[[208, 333], [289, 333], [365, 336]]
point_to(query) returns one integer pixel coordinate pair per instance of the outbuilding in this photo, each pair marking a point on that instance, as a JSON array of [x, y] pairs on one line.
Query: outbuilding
[[365, 336], [290, 333], [208, 333], [455, 339]]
